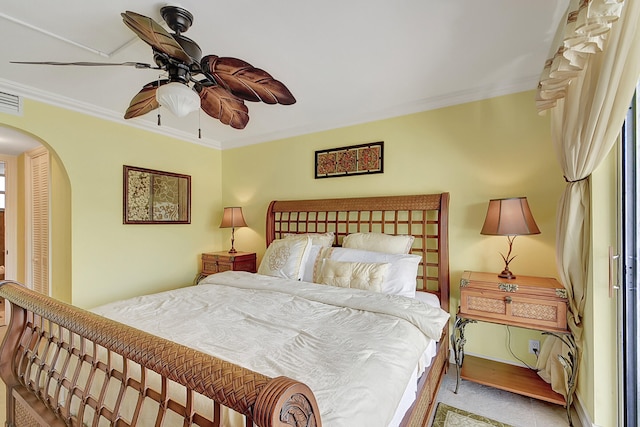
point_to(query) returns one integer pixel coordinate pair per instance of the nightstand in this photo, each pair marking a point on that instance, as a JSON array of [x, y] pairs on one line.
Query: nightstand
[[538, 303], [215, 262]]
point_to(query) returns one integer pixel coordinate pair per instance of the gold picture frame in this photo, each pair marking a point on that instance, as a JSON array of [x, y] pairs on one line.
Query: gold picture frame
[[155, 197]]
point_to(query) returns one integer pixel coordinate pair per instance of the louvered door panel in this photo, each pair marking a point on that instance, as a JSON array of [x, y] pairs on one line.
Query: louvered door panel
[[40, 221]]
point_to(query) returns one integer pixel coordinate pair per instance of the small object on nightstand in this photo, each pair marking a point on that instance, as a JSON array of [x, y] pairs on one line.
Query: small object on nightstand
[[231, 218], [509, 217], [215, 262]]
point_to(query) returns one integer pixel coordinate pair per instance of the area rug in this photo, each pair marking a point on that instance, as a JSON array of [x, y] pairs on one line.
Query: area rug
[[448, 416]]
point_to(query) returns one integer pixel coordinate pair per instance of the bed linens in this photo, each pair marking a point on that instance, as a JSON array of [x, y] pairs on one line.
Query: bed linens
[[345, 344]]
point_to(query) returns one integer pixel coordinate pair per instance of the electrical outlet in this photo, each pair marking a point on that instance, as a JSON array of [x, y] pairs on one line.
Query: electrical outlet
[[534, 347]]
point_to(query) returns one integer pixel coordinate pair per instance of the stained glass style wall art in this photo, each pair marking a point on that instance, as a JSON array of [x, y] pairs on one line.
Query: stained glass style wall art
[[351, 160]]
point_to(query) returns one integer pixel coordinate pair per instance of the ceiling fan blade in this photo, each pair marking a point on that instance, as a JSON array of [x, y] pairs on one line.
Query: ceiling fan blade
[[222, 105], [145, 100], [246, 81], [154, 35], [88, 64]]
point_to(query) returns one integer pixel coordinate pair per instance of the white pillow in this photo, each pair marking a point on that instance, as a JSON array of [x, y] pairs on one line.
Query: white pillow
[[311, 268], [379, 242], [400, 278], [322, 239], [285, 257], [355, 275]]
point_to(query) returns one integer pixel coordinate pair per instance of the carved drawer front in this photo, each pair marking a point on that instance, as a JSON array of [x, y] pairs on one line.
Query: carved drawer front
[[209, 266], [537, 303], [216, 262], [224, 266], [530, 312]]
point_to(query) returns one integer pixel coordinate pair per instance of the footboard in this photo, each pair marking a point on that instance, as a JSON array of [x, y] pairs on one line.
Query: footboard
[[67, 366]]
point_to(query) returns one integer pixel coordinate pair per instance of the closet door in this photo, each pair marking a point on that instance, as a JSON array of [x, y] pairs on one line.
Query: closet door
[[38, 221]]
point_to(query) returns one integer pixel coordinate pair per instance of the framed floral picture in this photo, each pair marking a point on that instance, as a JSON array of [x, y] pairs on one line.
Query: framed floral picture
[[155, 197], [351, 160]]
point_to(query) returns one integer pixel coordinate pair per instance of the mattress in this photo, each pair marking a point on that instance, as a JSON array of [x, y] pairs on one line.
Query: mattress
[[410, 393], [356, 350]]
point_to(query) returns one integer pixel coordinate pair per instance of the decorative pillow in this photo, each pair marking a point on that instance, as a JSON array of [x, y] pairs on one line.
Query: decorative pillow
[[400, 278], [285, 257], [321, 239], [355, 275], [379, 242]]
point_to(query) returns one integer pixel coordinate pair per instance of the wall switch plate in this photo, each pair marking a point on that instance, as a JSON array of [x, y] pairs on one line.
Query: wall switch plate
[[534, 347]]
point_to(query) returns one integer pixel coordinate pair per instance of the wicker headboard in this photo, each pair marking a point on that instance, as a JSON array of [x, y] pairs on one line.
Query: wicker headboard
[[423, 216]]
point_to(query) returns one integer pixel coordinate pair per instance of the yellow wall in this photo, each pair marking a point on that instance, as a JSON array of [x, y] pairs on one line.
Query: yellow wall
[[92, 251], [477, 151], [61, 215], [598, 376]]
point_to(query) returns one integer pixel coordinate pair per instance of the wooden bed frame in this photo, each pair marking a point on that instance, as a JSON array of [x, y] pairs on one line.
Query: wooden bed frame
[[423, 216], [49, 345]]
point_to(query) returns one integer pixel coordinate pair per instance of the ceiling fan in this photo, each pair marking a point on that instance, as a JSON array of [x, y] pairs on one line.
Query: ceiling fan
[[218, 85]]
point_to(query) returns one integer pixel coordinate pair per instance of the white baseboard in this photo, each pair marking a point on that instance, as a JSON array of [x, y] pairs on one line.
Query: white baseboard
[[585, 421]]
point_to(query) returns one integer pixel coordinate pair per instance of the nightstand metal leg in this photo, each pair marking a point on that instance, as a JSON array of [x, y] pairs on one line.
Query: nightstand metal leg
[[457, 344], [570, 366]]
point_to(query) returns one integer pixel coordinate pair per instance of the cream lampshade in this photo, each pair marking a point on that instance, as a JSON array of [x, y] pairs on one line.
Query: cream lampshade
[[231, 218], [509, 217]]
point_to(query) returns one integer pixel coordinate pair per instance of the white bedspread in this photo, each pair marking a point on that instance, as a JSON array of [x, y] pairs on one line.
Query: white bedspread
[[356, 350]]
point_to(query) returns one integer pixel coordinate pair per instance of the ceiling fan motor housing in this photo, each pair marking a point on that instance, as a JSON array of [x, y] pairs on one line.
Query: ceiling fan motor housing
[[177, 72], [177, 18]]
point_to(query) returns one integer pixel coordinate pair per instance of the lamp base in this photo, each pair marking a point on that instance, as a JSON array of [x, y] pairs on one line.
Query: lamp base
[[506, 274], [232, 251]]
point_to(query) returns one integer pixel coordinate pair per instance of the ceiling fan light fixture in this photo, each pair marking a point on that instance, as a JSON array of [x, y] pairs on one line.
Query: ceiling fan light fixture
[[179, 98]]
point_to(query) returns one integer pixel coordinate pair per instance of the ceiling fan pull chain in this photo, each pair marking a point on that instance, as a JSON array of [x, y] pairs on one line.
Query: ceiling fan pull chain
[[158, 87], [199, 126]]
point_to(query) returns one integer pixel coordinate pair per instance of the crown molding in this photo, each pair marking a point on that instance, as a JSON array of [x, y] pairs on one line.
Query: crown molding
[[426, 104], [101, 113]]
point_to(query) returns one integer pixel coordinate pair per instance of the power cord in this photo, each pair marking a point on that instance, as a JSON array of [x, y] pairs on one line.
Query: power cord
[[513, 354]]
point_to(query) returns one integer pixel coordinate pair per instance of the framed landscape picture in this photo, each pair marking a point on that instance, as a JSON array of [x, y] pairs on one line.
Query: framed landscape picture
[[155, 197]]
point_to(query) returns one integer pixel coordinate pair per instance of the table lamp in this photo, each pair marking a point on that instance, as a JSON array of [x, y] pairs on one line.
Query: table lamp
[[232, 217], [509, 217]]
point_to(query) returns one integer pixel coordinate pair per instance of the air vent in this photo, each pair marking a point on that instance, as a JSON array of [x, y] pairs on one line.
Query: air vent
[[10, 103]]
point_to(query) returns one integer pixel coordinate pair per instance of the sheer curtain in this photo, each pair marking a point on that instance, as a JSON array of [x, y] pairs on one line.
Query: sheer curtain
[[587, 85]]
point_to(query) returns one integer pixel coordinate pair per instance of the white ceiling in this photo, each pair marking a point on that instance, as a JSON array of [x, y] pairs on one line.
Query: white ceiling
[[346, 62]]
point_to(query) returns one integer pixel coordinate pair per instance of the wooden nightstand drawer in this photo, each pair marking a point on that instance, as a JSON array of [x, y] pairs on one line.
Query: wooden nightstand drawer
[[216, 262], [209, 266], [531, 302]]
